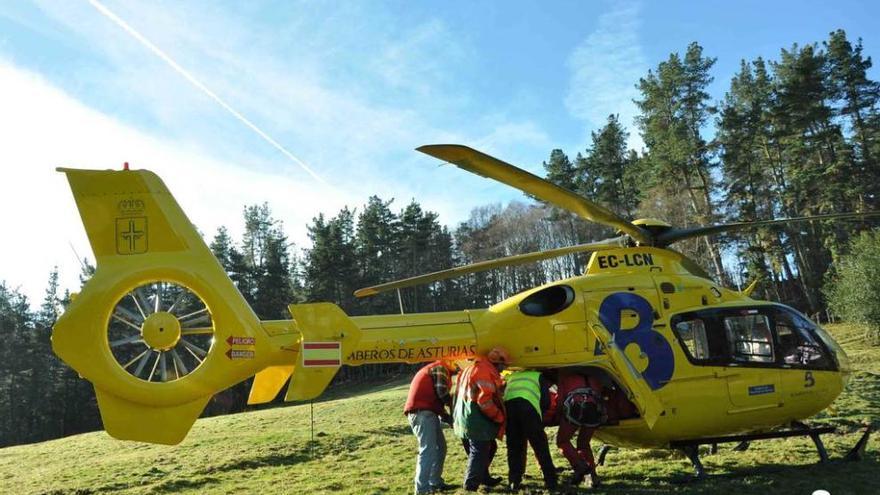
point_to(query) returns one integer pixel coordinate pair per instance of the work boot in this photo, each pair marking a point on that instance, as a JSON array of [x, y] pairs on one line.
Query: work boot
[[551, 483], [514, 487], [578, 477], [492, 482], [594, 479]]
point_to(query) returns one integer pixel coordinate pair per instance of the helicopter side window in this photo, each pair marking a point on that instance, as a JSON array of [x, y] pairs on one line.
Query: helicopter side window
[[548, 301], [692, 334], [749, 337], [701, 344]]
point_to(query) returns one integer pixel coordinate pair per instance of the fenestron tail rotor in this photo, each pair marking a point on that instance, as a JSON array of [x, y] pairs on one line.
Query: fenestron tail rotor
[[160, 332]]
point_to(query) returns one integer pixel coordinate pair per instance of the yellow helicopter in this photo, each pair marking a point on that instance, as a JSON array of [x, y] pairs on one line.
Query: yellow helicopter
[[160, 327]]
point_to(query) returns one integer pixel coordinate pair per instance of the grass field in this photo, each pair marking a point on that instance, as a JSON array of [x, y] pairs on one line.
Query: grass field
[[363, 444]]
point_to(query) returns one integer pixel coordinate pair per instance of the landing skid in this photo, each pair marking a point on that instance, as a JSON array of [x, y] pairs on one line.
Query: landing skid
[[691, 448], [858, 451]]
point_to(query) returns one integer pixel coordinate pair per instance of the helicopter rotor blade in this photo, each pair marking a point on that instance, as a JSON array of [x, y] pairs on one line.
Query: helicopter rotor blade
[[519, 259], [482, 164], [674, 235]]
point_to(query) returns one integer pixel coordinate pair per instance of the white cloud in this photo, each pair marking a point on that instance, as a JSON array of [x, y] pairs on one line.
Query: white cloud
[[316, 84], [605, 68], [43, 128], [351, 94]]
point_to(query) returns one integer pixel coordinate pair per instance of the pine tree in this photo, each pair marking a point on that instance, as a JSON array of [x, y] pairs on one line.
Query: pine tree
[[745, 168], [377, 248], [674, 108], [330, 266], [609, 163], [858, 97], [561, 171]]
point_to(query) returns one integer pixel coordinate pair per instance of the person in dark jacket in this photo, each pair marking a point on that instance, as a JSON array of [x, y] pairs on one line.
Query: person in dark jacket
[[426, 406], [526, 396]]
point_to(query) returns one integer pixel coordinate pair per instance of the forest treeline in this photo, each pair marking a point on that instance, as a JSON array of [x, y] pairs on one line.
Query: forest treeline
[[799, 135]]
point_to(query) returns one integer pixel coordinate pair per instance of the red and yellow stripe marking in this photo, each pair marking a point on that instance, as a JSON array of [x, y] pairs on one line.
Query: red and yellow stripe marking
[[322, 353]]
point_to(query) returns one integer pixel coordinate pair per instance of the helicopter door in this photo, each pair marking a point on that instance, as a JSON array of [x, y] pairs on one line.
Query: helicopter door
[[622, 322], [752, 377]]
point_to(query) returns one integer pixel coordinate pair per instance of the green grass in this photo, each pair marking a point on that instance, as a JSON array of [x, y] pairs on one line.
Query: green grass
[[363, 445]]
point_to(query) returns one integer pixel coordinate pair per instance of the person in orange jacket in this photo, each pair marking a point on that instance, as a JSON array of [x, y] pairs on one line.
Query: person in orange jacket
[[479, 415], [582, 409], [426, 407]]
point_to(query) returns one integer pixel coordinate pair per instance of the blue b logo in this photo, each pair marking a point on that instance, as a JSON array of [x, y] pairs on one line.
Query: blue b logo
[[661, 361]]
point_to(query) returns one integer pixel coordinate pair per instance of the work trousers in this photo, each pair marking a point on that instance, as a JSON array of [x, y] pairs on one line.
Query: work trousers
[[480, 454], [581, 459], [524, 425], [432, 450]]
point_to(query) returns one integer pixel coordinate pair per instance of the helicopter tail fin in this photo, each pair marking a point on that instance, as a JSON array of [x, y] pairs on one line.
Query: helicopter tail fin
[[326, 333], [159, 328]]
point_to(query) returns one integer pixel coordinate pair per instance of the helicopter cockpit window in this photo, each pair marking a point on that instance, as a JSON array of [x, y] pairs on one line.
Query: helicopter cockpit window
[[547, 301], [799, 346], [749, 337]]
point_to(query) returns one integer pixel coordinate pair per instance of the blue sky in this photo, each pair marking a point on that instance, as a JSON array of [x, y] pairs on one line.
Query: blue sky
[[348, 88]]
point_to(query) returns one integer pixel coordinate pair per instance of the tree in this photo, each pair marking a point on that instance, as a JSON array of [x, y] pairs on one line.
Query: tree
[[562, 172], [611, 166], [330, 266], [853, 290], [858, 98], [746, 169], [15, 319], [377, 244], [674, 108]]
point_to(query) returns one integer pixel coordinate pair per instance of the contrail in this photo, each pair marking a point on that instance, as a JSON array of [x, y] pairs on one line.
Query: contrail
[[198, 84]]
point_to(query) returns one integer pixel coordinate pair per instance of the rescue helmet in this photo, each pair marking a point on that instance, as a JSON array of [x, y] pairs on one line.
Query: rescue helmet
[[498, 355], [584, 407]]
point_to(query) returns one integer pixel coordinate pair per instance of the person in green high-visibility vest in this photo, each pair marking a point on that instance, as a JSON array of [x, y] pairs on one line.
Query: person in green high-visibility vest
[[526, 397]]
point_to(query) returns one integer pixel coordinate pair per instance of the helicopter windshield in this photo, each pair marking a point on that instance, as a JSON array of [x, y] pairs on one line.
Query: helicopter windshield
[[819, 334], [764, 336]]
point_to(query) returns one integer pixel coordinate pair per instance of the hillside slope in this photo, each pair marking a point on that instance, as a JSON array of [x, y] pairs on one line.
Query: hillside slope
[[363, 445]]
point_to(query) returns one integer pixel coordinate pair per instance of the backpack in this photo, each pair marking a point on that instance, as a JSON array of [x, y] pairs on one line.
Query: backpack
[[585, 407]]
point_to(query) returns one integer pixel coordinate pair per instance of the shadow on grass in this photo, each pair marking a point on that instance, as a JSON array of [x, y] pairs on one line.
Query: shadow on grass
[[338, 391], [849, 477], [167, 486], [277, 459], [392, 431], [176, 485], [311, 451]]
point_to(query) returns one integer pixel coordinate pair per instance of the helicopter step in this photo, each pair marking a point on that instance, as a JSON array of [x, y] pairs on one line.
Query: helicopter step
[[691, 447]]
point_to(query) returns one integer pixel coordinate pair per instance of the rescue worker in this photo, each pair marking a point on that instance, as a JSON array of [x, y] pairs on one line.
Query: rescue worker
[[582, 409], [479, 415], [426, 406], [526, 396]]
